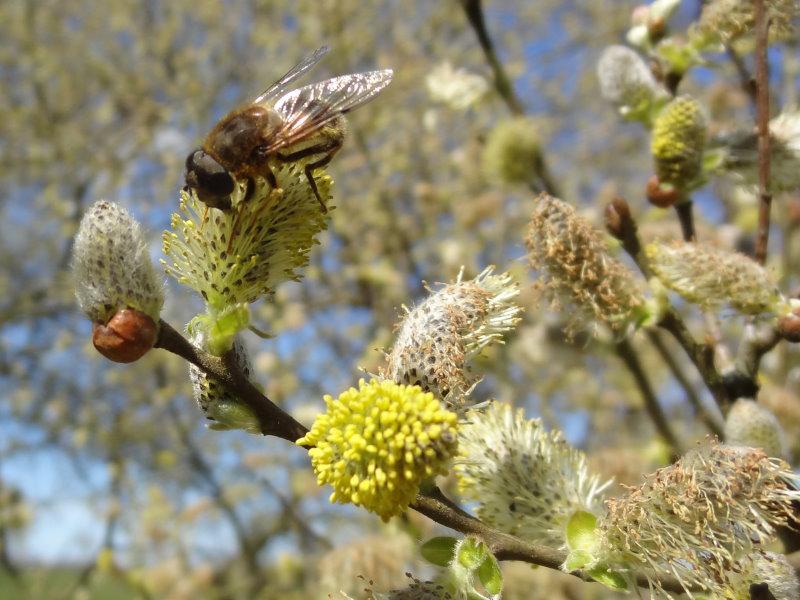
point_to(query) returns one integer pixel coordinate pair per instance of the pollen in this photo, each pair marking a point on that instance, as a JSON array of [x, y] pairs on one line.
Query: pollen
[[375, 445]]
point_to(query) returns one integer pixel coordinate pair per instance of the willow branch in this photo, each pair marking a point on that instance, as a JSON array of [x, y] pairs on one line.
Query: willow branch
[[711, 422], [438, 508], [432, 504], [272, 419], [762, 118], [502, 83], [628, 356]]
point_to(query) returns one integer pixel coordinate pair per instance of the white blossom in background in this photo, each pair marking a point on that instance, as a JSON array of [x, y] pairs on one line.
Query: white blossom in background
[[457, 88]]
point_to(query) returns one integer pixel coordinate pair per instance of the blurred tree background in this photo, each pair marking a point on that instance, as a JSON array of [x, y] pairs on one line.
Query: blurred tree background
[[110, 484]]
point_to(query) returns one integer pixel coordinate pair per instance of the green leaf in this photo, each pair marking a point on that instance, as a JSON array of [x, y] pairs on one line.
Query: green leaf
[[608, 578], [471, 553], [490, 576], [581, 531], [439, 550]]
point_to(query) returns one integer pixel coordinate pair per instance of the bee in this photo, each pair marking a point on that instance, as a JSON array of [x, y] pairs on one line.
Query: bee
[[305, 124]]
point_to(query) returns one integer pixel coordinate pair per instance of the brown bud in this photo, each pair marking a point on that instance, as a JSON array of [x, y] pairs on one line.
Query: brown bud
[[789, 326], [661, 195], [656, 28], [126, 337], [618, 217]]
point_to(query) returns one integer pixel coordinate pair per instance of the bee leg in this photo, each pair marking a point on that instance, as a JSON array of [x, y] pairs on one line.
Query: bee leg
[[328, 149], [270, 177], [249, 190]]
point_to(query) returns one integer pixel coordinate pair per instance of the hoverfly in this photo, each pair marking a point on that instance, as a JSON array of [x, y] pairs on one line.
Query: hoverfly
[[280, 126]]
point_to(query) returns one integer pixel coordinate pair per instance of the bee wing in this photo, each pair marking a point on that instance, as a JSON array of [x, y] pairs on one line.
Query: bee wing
[[306, 64], [308, 108]]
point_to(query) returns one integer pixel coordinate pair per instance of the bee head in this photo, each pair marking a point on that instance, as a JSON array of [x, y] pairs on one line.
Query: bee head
[[209, 179]]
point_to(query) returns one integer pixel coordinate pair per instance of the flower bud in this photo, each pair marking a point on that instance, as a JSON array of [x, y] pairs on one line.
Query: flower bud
[[789, 326], [727, 20], [513, 151], [618, 218], [112, 267], [528, 481], [219, 405], [750, 424], [769, 568], [678, 140], [711, 277], [627, 82], [126, 337], [662, 196]]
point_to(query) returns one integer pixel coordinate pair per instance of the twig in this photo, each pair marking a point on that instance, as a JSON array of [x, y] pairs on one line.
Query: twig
[[712, 423], [762, 119], [438, 508], [628, 355], [272, 419], [746, 80], [432, 504], [502, 83], [686, 219]]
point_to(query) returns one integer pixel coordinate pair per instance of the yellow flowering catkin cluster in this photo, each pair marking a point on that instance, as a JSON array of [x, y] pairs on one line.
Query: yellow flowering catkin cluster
[[727, 20], [513, 151], [575, 268], [377, 443], [697, 517], [679, 135], [438, 338], [750, 424], [528, 481], [239, 255], [711, 277]]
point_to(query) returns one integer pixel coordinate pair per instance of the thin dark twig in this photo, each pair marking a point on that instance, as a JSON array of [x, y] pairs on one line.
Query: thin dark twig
[[438, 508], [686, 219], [502, 82], [628, 355], [746, 80], [711, 423], [762, 119], [272, 419]]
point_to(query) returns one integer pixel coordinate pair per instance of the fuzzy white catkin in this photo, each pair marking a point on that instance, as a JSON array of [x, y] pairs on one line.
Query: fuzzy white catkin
[[438, 338], [625, 79], [528, 481], [112, 267]]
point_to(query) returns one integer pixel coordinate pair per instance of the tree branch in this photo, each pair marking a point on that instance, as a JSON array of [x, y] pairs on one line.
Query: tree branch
[[502, 83], [432, 504], [438, 508], [272, 419], [711, 422], [628, 355], [762, 119]]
